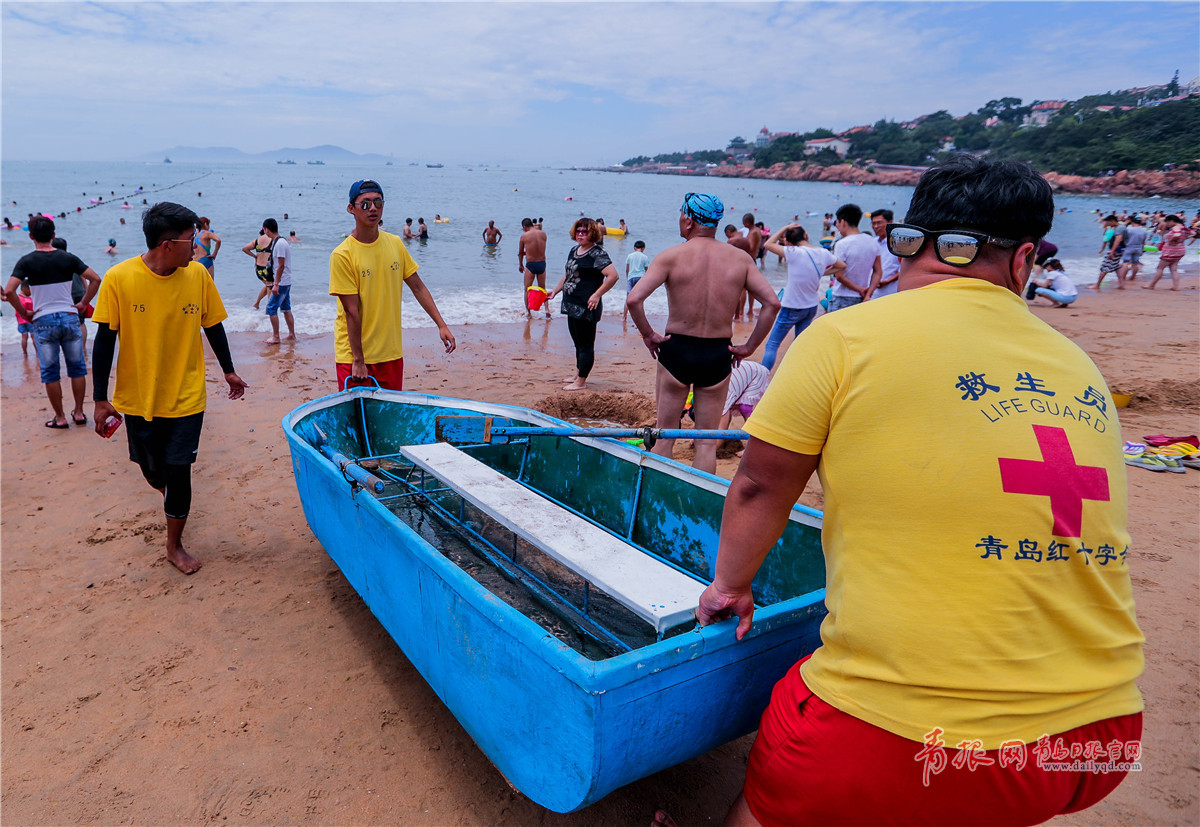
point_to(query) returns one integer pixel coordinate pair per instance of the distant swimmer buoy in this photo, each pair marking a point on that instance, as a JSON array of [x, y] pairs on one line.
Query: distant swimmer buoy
[[1150, 248], [613, 231], [569, 198]]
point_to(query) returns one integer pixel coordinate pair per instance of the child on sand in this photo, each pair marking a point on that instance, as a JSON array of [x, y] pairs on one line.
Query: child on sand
[[1056, 286], [25, 327]]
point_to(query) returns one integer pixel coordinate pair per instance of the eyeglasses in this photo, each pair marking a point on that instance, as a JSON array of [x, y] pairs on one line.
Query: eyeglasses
[[957, 248], [367, 203], [191, 240]]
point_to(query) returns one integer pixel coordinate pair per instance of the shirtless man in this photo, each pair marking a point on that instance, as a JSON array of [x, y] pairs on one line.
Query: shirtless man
[[705, 280], [754, 236], [732, 236], [408, 233], [531, 261], [491, 235]]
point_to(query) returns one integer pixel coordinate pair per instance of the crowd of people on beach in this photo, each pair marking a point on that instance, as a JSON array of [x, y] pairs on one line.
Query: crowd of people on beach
[[1128, 235], [1038, 540]]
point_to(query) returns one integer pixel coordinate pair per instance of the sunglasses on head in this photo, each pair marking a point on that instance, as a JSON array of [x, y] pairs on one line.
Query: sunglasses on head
[[957, 248]]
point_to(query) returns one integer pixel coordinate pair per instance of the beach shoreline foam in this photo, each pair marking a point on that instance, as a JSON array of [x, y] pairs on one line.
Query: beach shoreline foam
[[261, 690]]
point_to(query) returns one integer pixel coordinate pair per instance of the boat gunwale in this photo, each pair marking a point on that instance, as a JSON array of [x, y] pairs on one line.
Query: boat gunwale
[[593, 676]]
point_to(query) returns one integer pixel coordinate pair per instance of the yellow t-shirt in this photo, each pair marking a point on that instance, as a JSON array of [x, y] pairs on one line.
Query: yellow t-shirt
[[374, 272], [975, 507], [160, 362]]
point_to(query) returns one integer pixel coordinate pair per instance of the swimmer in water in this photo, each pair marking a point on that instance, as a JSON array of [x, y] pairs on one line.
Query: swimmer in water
[[492, 236]]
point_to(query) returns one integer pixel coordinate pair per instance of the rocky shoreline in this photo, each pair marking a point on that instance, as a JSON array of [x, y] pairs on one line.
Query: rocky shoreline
[[1174, 184]]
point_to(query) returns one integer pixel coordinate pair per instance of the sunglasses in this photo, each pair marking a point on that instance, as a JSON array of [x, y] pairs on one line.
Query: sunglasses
[[367, 203], [957, 248], [191, 240], [583, 230]]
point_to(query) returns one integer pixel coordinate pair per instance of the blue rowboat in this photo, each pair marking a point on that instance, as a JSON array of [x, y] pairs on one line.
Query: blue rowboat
[[543, 584]]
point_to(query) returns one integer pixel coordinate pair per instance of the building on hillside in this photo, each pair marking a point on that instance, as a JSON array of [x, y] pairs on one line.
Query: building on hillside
[[839, 145], [1042, 112], [763, 139]]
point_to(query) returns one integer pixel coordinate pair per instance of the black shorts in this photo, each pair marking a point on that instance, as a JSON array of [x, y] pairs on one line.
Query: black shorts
[[536, 267], [696, 361], [162, 441], [264, 274]]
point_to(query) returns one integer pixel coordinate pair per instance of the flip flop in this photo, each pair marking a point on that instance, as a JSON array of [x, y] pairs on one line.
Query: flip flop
[[82, 420], [1135, 455], [1163, 439], [53, 424]]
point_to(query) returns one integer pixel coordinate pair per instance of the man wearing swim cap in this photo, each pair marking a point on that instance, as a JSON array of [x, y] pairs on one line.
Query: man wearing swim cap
[[704, 278], [367, 272]]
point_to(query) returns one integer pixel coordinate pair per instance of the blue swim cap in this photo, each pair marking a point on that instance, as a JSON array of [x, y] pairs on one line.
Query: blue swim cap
[[703, 208]]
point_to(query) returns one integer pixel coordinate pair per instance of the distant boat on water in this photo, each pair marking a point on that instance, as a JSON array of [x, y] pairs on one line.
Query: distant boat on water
[[288, 162], [166, 160], [388, 164], [316, 163], [435, 166]]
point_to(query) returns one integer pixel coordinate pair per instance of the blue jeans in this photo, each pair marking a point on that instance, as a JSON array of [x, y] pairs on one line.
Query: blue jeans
[[1055, 297], [56, 331], [839, 302], [789, 318], [281, 302]]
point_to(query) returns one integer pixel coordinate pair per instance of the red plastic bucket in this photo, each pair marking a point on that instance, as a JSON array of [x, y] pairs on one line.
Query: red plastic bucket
[[535, 297]]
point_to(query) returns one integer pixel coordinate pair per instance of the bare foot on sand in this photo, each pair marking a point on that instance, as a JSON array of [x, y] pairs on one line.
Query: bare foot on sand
[[577, 385], [270, 341], [663, 819], [291, 337], [183, 561]]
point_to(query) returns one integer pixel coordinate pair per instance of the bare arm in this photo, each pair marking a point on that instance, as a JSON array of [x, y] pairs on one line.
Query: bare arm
[[767, 484], [90, 289], [249, 248], [425, 299], [350, 304], [757, 286], [10, 295], [521, 255], [772, 244], [656, 276], [876, 275], [278, 274], [610, 278], [216, 244]]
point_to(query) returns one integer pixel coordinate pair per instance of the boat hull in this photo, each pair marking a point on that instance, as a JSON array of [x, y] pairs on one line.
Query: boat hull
[[563, 729]]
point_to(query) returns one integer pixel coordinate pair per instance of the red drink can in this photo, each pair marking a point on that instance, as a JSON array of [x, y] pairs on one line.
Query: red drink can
[[111, 424]]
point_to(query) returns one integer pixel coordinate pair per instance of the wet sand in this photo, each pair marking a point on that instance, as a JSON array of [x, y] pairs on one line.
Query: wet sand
[[262, 691]]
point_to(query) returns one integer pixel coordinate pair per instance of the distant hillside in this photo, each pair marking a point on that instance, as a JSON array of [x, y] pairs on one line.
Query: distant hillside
[[227, 154]]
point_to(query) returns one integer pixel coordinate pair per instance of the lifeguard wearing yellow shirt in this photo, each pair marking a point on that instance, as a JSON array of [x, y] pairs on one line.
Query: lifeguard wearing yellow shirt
[[367, 273], [975, 538]]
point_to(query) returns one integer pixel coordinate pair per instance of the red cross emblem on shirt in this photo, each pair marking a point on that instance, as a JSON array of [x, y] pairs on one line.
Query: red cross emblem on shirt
[[1057, 477]]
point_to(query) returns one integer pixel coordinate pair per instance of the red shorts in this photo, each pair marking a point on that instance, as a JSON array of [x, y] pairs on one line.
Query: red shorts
[[814, 764], [389, 375]]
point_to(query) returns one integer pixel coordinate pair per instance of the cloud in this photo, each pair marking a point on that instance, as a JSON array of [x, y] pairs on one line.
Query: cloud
[[538, 82]]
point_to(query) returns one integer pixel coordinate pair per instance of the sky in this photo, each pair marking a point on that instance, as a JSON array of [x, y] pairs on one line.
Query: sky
[[547, 82]]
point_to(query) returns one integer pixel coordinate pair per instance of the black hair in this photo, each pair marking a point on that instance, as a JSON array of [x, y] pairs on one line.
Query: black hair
[[730, 229], [1053, 264], [748, 217], [639, 245], [271, 224], [41, 229], [408, 221], [794, 235], [166, 220], [1172, 218], [420, 220], [1001, 198], [850, 213], [59, 244], [888, 215], [1112, 217], [527, 223]]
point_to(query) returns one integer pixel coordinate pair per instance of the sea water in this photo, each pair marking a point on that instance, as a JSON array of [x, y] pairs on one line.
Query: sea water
[[471, 282]]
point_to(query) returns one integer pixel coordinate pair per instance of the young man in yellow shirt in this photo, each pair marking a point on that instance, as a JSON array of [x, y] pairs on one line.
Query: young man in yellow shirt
[[156, 304], [367, 273], [979, 660]]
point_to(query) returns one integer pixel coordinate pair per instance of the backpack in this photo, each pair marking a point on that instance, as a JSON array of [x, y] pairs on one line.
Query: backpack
[[266, 272]]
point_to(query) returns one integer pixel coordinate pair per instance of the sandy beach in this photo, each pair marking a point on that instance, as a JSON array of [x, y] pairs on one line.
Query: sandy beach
[[262, 691]]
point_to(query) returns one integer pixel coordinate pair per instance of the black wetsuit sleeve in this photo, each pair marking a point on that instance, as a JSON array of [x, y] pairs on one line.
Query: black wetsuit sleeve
[[102, 356], [220, 345]]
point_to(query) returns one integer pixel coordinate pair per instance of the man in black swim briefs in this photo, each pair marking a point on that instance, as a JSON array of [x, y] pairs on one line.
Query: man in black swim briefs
[[705, 279], [531, 261]]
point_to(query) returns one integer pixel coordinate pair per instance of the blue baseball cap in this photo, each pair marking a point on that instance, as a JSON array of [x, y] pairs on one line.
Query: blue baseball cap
[[703, 208], [359, 187]]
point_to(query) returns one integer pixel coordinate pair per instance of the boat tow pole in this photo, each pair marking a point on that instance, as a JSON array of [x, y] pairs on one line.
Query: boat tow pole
[[474, 430]]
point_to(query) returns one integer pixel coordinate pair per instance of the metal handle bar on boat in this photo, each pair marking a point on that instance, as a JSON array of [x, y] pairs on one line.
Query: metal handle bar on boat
[[350, 469], [643, 433]]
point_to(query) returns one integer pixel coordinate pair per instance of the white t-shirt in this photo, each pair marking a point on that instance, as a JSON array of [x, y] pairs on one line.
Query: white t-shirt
[[283, 252], [806, 265], [891, 266], [747, 384], [859, 251], [1061, 284]]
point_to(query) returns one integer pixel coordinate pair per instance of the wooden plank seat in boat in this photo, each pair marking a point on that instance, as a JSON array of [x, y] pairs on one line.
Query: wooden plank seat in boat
[[659, 594]]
